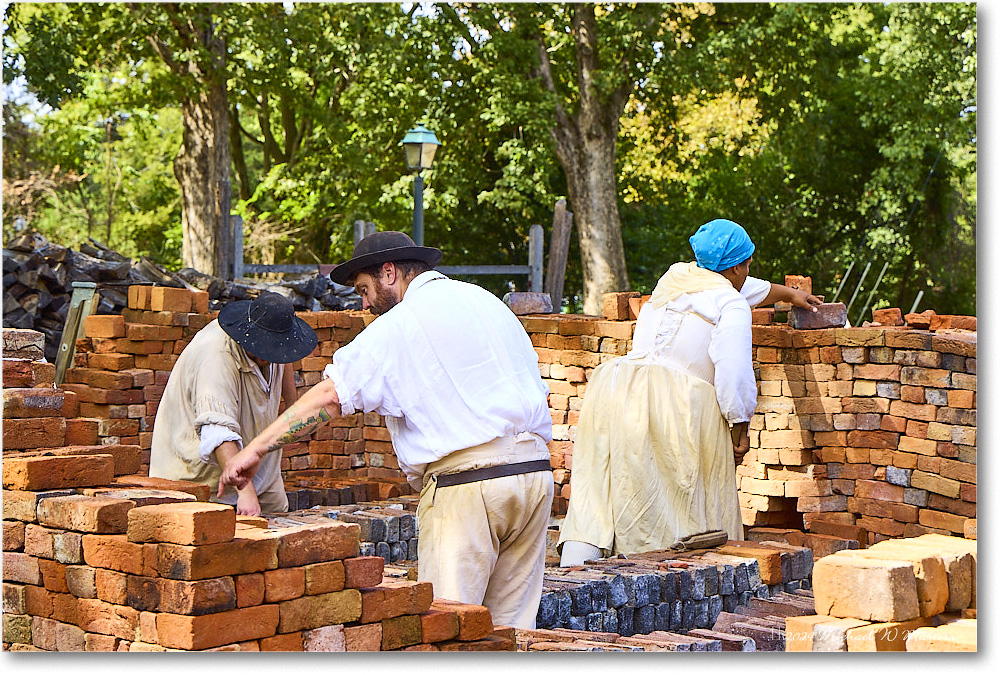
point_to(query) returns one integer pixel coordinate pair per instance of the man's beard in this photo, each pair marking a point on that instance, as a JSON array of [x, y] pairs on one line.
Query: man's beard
[[384, 299]]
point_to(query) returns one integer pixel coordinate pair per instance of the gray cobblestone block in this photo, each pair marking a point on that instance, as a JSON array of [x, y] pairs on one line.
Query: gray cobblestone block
[[714, 609], [953, 362], [617, 596], [806, 584], [711, 581], [744, 597], [741, 578], [662, 620], [687, 616], [897, 476], [412, 547], [677, 615], [398, 550], [383, 551], [685, 585], [611, 621], [581, 600], [668, 587], [787, 558], [729, 602], [391, 528], [792, 586], [312, 497], [701, 614], [642, 590], [367, 548], [407, 527], [726, 580], [753, 573], [595, 621], [698, 582], [763, 592], [564, 606], [599, 595], [970, 366], [915, 496], [293, 501], [625, 618], [644, 619], [346, 495], [936, 396], [628, 582], [654, 588], [548, 611], [802, 563], [577, 623]]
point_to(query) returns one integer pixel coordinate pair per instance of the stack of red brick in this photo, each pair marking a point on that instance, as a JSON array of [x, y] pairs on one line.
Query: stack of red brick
[[86, 568], [899, 595]]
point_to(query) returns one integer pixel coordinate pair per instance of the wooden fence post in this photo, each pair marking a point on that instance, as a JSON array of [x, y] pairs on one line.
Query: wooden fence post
[[536, 257], [237, 228], [562, 226]]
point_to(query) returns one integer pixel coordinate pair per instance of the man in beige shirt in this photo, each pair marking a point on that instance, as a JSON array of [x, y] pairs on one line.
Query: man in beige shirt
[[224, 390]]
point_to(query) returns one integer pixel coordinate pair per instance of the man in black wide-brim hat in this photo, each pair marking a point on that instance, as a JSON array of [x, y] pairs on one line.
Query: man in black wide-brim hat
[[456, 377], [226, 388]]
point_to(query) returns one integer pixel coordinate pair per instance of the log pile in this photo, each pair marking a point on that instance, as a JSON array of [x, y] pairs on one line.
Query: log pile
[[38, 277]]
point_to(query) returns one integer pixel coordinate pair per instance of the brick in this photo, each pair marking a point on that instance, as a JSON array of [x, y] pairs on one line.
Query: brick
[[312, 611], [205, 596], [934, 483], [81, 581], [324, 639], [115, 552], [928, 570], [890, 316], [438, 625], [184, 523], [961, 471], [325, 577], [166, 299], [363, 571], [473, 620], [317, 543], [883, 637], [827, 315], [214, 630], [81, 431], [868, 489], [400, 631], [97, 616], [32, 402], [942, 521], [956, 636], [867, 589], [104, 326], [46, 473], [31, 433], [53, 575], [363, 638], [873, 439], [284, 584], [248, 552], [615, 305], [21, 568], [919, 446], [249, 589], [200, 491], [85, 514]]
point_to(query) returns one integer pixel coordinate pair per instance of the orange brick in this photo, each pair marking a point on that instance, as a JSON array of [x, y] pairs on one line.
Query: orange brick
[[81, 431], [191, 523], [32, 402], [474, 622], [28, 434], [138, 296], [46, 473], [284, 584], [110, 586], [206, 596], [438, 625], [116, 552], [166, 299], [104, 326], [286, 642], [248, 552], [400, 631], [364, 638], [53, 575], [249, 589], [363, 571], [27, 373], [214, 630], [317, 543], [97, 616], [85, 514], [325, 577], [873, 439]]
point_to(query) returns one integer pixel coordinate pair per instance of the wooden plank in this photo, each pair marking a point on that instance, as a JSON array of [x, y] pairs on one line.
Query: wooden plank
[[562, 226]]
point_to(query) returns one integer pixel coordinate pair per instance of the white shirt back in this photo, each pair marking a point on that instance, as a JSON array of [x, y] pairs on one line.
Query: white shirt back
[[450, 367]]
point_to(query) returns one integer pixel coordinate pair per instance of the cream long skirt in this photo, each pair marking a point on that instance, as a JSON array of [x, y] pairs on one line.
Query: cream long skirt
[[652, 461]]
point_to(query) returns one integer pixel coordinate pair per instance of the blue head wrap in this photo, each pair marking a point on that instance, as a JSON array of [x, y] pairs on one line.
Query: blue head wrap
[[721, 244]]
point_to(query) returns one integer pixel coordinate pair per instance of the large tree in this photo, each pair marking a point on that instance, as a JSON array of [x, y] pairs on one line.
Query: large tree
[[57, 47]]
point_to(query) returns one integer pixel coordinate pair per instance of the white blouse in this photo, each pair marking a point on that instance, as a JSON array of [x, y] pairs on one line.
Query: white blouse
[[450, 367], [707, 334]]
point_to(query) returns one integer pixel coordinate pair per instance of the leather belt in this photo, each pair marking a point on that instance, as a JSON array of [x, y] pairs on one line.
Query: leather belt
[[486, 473]]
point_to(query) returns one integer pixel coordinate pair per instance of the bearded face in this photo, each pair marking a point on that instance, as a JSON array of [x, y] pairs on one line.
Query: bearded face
[[376, 295]]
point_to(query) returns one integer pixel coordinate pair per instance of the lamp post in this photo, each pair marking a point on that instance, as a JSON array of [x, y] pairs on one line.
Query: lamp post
[[419, 144]]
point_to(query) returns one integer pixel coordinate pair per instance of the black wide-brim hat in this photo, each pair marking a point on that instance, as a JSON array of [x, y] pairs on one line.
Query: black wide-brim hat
[[267, 328], [381, 247]]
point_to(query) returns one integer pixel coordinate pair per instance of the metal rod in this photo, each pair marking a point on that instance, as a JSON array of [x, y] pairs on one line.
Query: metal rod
[[843, 282], [418, 210], [916, 302], [857, 288], [871, 295]]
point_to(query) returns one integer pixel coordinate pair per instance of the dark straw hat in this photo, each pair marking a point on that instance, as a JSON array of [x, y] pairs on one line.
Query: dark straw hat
[[381, 247], [267, 328]]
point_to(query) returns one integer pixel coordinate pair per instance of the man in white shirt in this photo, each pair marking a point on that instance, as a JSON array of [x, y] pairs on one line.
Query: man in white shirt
[[456, 377], [659, 427]]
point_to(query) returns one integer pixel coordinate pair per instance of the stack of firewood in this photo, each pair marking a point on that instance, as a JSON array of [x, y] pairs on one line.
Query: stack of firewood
[[38, 277]]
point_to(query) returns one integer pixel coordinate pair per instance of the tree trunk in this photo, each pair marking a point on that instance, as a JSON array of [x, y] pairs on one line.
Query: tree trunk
[[586, 142], [202, 167]]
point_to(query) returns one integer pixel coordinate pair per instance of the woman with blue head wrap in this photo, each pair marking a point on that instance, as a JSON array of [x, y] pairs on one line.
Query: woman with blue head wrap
[[653, 460]]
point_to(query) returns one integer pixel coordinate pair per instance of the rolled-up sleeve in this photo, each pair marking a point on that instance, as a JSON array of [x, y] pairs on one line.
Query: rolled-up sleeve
[[362, 381], [212, 436], [731, 350]]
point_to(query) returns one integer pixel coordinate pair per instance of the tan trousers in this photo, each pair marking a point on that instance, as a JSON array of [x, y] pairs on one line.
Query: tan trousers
[[483, 543]]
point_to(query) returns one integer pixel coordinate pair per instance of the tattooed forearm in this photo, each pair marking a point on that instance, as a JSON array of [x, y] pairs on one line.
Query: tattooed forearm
[[298, 428]]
